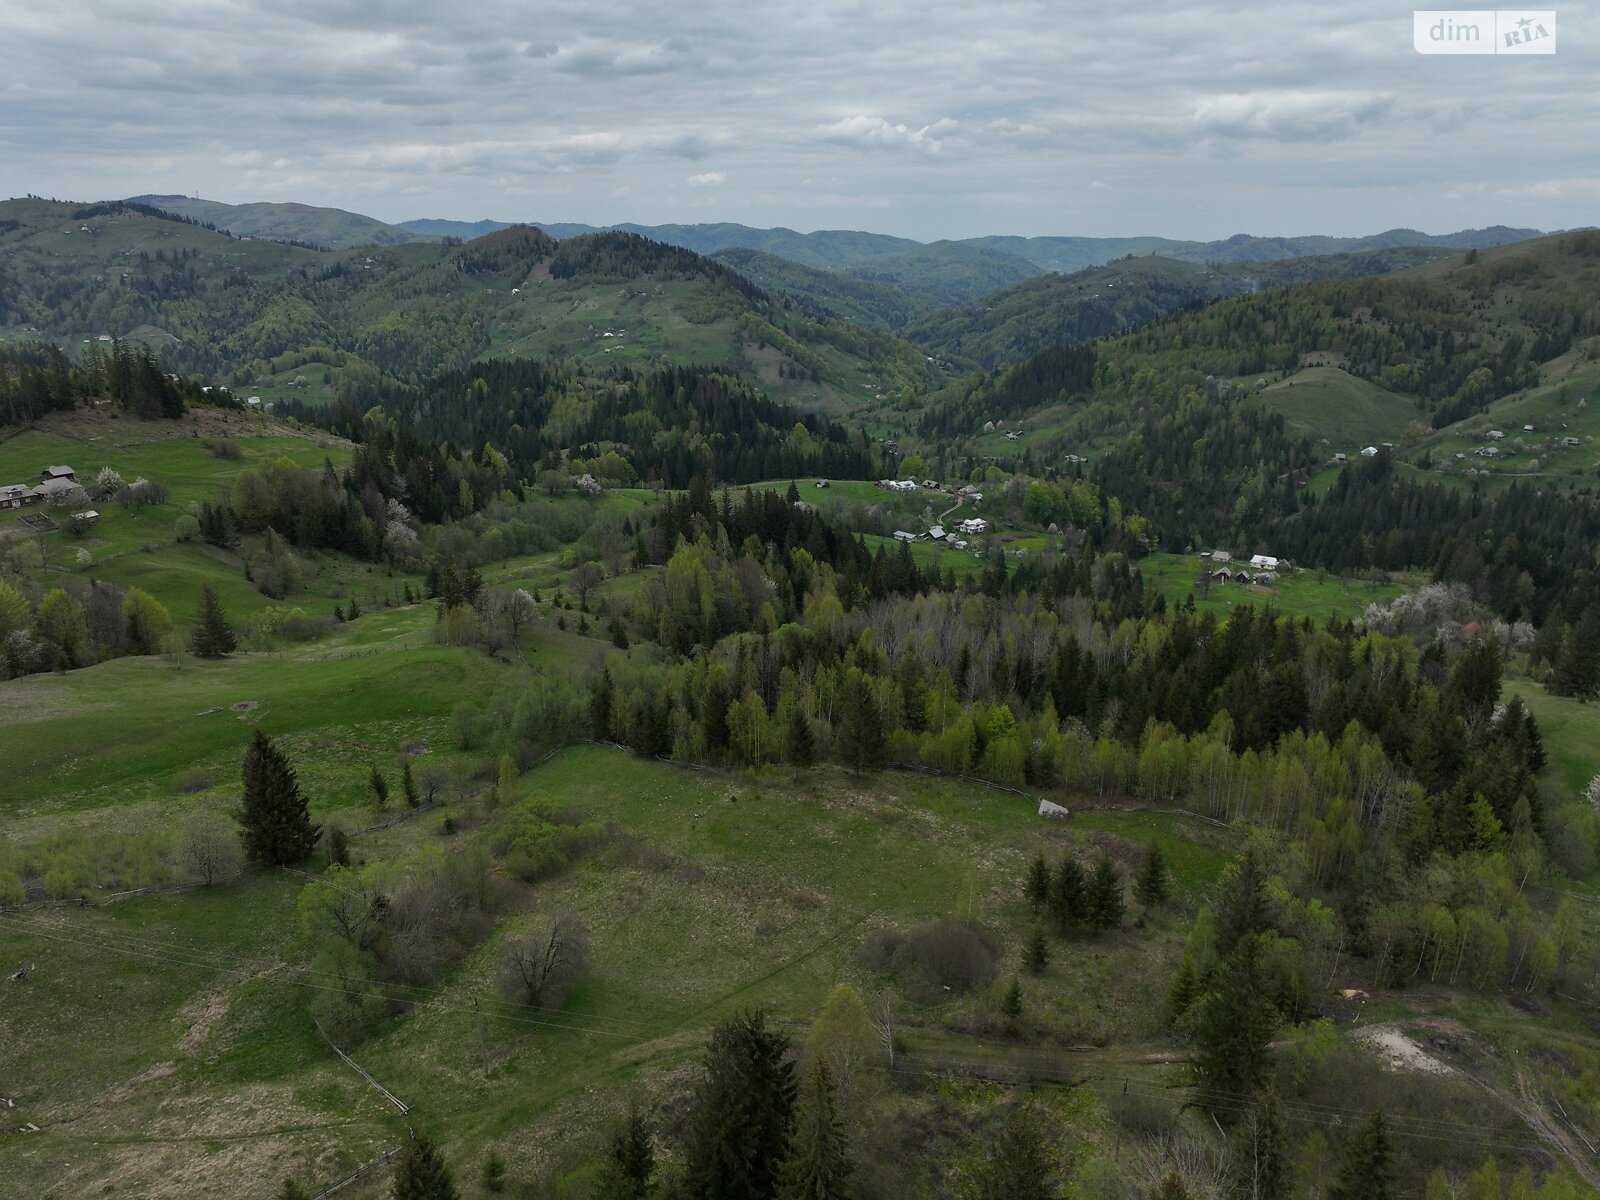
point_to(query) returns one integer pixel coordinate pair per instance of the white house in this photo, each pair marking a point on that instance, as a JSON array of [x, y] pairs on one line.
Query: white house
[[974, 525], [1369, 452], [1263, 562], [902, 535]]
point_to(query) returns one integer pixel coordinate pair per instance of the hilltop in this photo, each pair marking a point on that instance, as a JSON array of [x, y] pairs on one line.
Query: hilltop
[[333, 228], [293, 323]]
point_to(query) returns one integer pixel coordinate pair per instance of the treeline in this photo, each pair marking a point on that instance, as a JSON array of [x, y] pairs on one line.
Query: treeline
[[663, 427], [1526, 551], [36, 379]]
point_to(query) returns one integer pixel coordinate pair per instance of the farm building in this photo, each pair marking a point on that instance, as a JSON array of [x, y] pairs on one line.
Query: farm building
[[50, 473], [1263, 562], [18, 495], [903, 535]]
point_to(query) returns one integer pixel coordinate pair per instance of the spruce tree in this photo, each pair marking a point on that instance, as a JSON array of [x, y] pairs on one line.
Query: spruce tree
[[1260, 1161], [630, 1163], [1105, 901], [1367, 1172], [818, 1166], [1038, 886], [1233, 1028], [276, 822], [493, 1175], [602, 704], [377, 789], [800, 745], [860, 738], [213, 637], [420, 1172], [408, 784], [739, 1134], [1037, 956], [1183, 991], [1151, 885], [1069, 895], [1015, 1164], [1242, 907], [1011, 1001]]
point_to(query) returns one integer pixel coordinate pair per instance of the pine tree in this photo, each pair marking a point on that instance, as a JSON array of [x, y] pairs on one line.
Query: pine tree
[[1011, 1001], [1577, 670], [1037, 956], [739, 1134], [420, 1172], [1260, 1161], [1105, 901], [1234, 1026], [602, 705], [377, 789], [1014, 1164], [860, 737], [630, 1164], [338, 847], [1242, 907], [1151, 885], [213, 638], [1069, 895], [800, 745], [277, 823], [818, 1165], [493, 1176], [1183, 991], [1038, 886], [408, 784], [1368, 1169]]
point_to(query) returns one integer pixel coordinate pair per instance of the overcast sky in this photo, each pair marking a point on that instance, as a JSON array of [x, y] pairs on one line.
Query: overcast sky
[[930, 120]]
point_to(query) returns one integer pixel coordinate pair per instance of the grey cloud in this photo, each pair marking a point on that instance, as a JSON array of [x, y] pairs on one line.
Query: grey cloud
[[941, 119]]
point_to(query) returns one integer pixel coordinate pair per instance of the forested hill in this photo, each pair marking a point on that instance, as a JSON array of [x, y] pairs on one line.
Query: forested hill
[[666, 427], [260, 314], [1051, 310], [1447, 338]]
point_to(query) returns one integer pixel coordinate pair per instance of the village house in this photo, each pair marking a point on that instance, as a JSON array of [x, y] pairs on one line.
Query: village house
[[936, 533], [974, 525], [50, 473], [904, 535], [18, 495], [1263, 562], [822, 483], [1369, 452]]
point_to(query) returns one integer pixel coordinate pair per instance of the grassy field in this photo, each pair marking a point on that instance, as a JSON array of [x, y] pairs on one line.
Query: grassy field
[[715, 892], [1326, 403], [1298, 593]]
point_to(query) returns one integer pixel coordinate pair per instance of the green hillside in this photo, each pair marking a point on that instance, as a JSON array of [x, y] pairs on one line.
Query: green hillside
[[882, 306], [1339, 410], [284, 322], [333, 228]]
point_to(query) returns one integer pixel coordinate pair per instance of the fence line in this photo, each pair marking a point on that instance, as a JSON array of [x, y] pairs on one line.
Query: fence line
[[362, 1071], [386, 1157]]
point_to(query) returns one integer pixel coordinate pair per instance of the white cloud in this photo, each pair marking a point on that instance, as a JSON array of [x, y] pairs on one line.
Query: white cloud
[[708, 179], [865, 130]]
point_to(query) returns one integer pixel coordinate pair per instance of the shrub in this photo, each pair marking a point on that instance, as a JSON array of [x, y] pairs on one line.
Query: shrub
[[952, 954]]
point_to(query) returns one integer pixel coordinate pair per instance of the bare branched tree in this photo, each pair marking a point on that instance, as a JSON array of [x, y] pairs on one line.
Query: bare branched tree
[[211, 849], [537, 968]]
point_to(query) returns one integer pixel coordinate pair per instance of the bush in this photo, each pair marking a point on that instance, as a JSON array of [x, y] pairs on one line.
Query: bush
[[952, 954]]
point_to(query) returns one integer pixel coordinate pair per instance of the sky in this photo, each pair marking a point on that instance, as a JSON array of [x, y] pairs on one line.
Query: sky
[[1191, 120]]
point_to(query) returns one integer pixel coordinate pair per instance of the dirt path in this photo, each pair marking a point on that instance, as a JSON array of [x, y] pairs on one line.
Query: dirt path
[[951, 509]]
